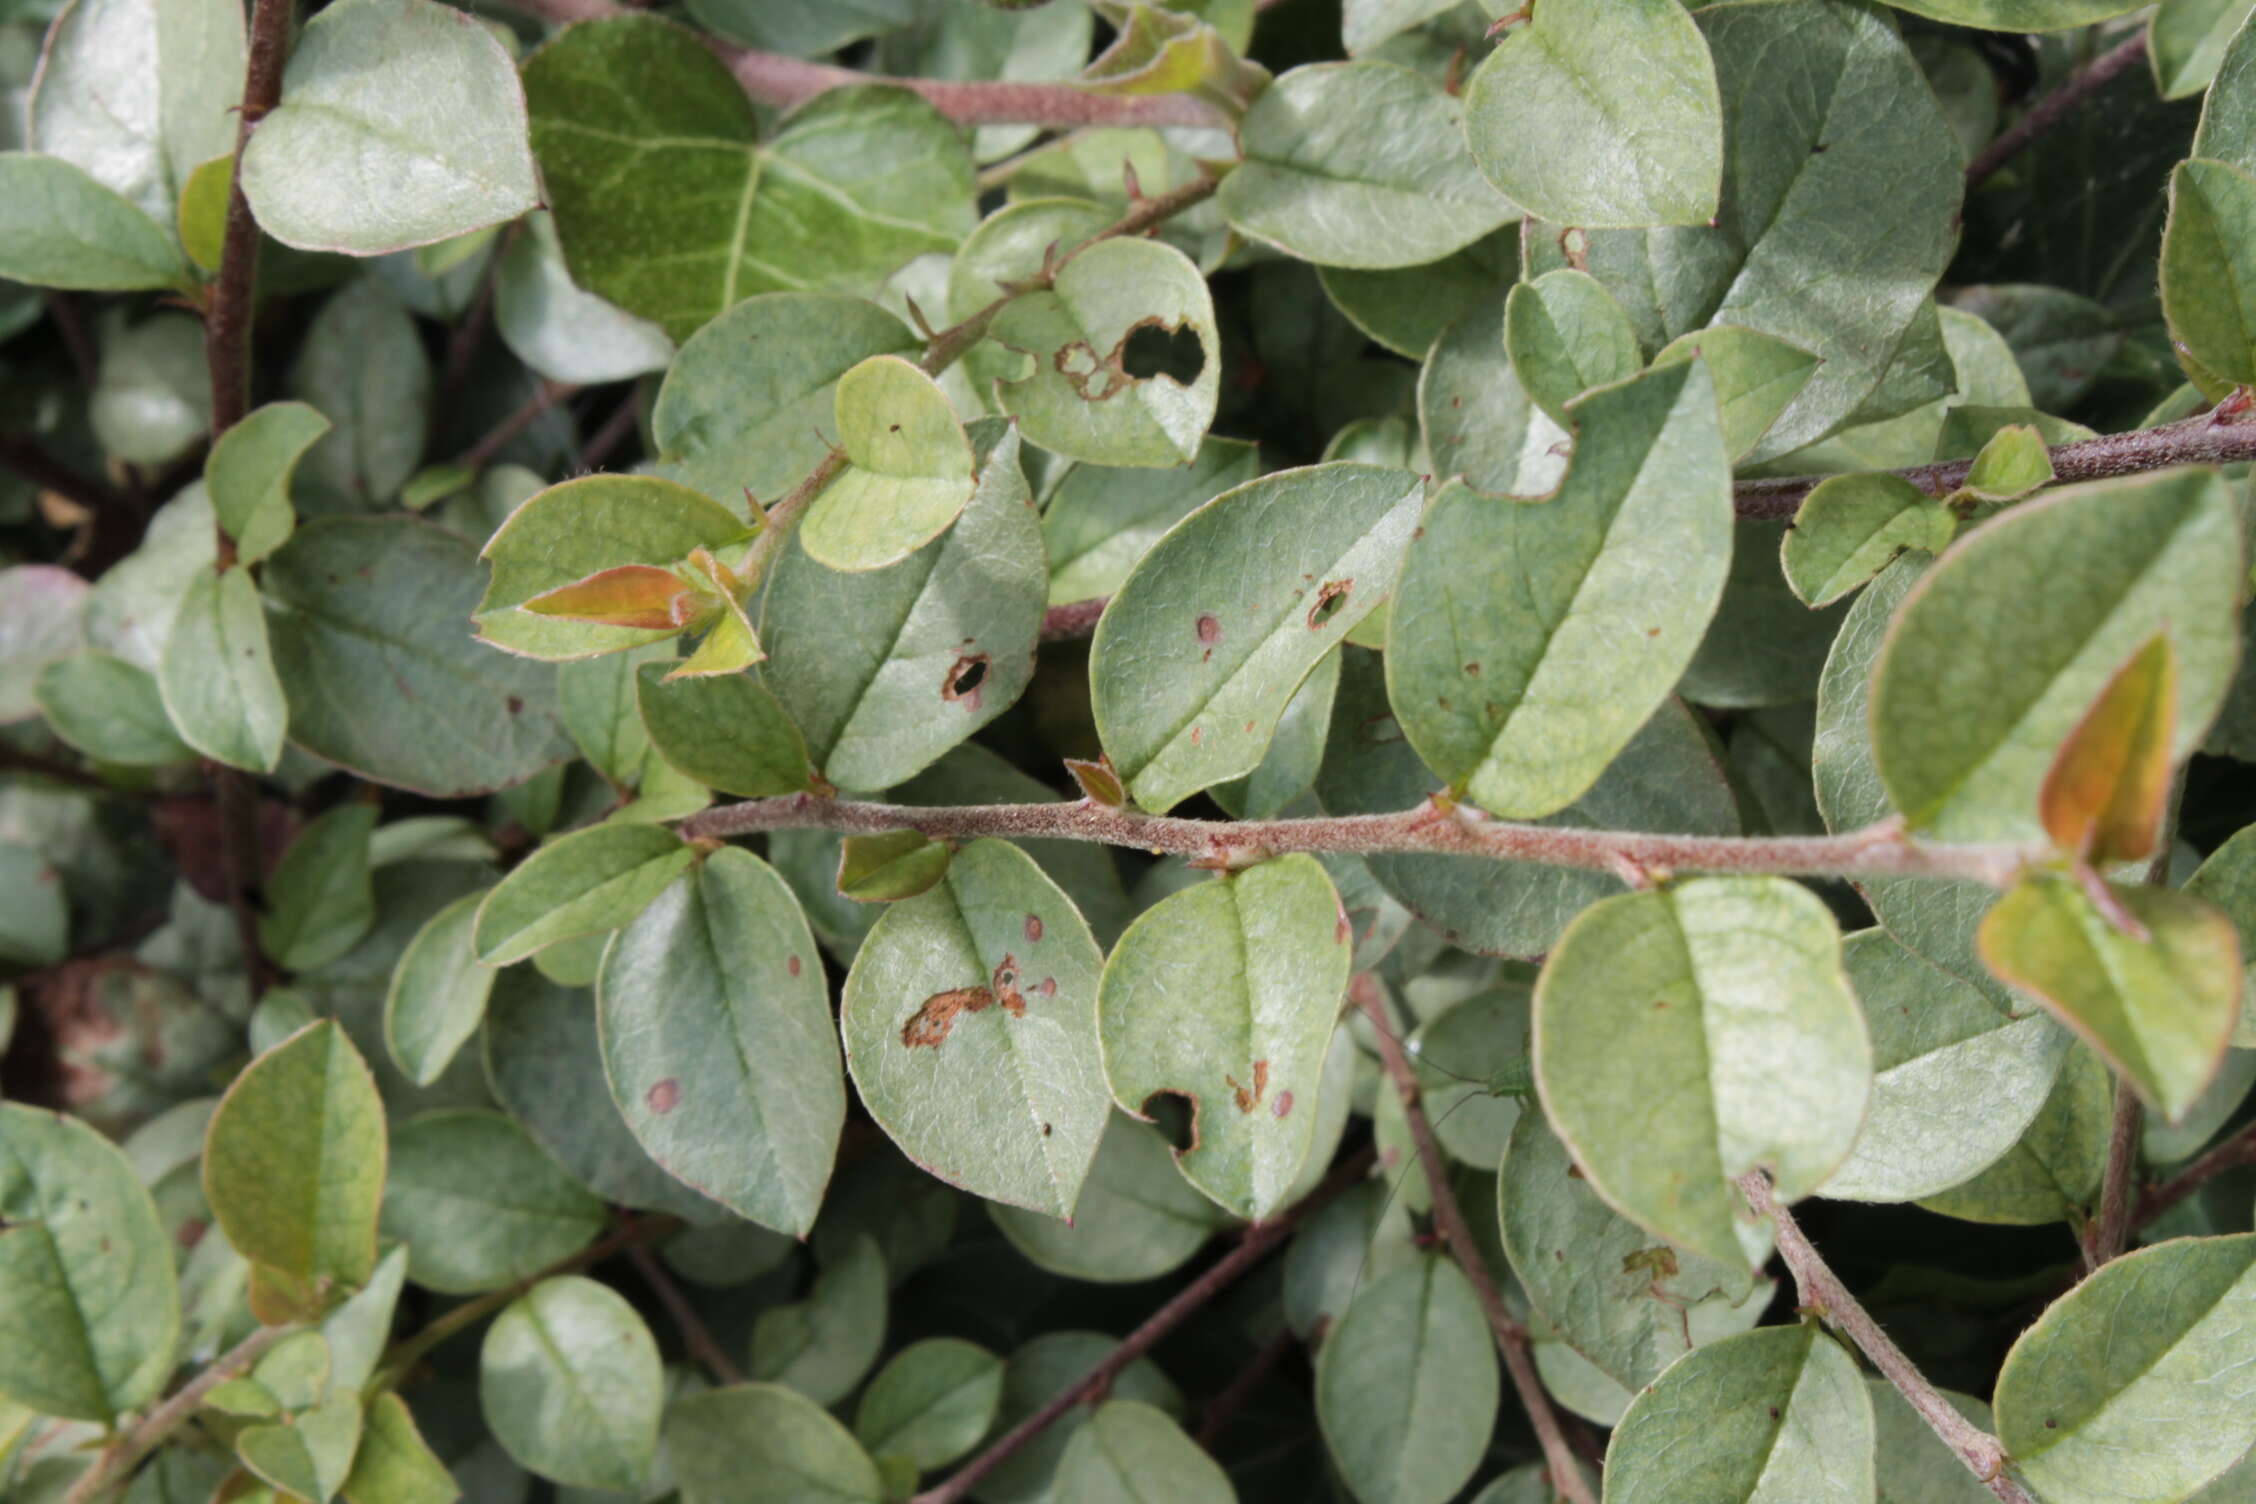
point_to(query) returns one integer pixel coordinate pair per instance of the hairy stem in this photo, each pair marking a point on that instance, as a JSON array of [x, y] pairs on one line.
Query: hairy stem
[[122, 1456], [1822, 1292], [1256, 1243], [1876, 851], [1511, 1336], [2057, 106], [2110, 1228], [695, 1335]]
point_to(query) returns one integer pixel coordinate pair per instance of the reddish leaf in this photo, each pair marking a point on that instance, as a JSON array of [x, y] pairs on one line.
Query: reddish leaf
[[632, 595], [2104, 796]]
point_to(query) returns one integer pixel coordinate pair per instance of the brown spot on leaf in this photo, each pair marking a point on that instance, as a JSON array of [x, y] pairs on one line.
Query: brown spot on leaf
[[664, 1097], [516, 705], [965, 676], [1472, 671], [1282, 1105], [1033, 929], [1209, 630], [930, 1024], [1198, 734], [1045, 1130], [1250, 1098], [792, 965], [1005, 984], [1048, 987]]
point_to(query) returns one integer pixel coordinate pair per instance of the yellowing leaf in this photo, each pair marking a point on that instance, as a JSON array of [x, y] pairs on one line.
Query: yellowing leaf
[[2104, 797]]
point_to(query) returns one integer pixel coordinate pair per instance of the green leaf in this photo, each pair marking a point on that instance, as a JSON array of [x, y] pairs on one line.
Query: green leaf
[[1601, 113], [294, 1168], [1832, 138], [1618, 1298], [248, 470], [1850, 527], [34, 911], [1078, 396], [1756, 376], [1204, 646], [366, 614], [576, 529], [2018, 15], [44, 609], [110, 709], [823, 1345], [478, 1204], [1040, 1370], [1320, 184], [545, 1063], [908, 472], [1406, 1385], [152, 400], [1711, 996], [322, 902], [2106, 795], [746, 403], [668, 206], [217, 677], [2227, 880], [61, 228], [1921, 1468], [363, 367], [2052, 1174], [570, 1381], [1406, 309], [561, 331], [727, 732], [1100, 519], [1509, 666], [2206, 271], [1956, 1079], [2012, 463], [895, 865], [595, 698], [338, 165], [757, 1434], [438, 993], [2133, 1385], [887, 669], [1565, 334], [1775, 1413], [309, 1455], [724, 956], [970, 1026], [1295, 751], [578, 884], [1968, 706], [2160, 1005], [1130, 1452], [1225, 994], [395, 1465], [1477, 418], [1136, 1218], [89, 1305], [931, 1402], [2187, 40]]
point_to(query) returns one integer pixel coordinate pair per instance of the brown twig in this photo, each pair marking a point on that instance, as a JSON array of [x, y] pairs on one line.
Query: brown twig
[[1257, 1242], [462, 345], [1511, 1336], [2055, 107], [695, 1335], [1876, 851], [2110, 1228], [1822, 1292], [524, 416], [227, 324], [2233, 1153], [122, 1456], [18, 760], [1224, 1407], [616, 430]]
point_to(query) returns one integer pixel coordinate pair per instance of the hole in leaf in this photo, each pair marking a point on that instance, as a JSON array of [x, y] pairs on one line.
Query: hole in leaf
[[1175, 1114], [1174, 353], [1330, 599]]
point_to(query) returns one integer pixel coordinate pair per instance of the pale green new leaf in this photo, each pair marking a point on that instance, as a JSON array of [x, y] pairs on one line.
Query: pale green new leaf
[[718, 1043], [479, 1205], [321, 901], [2161, 1005], [1530, 639], [578, 884], [248, 470], [970, 1026], [570, 1381], [2136, 1384], [89, 1304], [1406, 1386], [308, 1456], [1601, 113], [218, 678], [401, 123], [1209, 637], [1687, 1035], [1969, 704], [723, 1439], [1850, 527], [1765, 1417], [438, 993], [1359, 165], [1225, 994], [61, 228], [908, 469], [1757, 376], [1132, 1453], [395, 1465], [294, 1165], [1075, 394], [1565, 334]]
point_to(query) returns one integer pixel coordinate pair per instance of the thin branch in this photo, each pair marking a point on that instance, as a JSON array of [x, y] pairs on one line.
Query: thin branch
[[2055, 107], [122, 1456], [1822, 1292], [1511, 1336], [227, 326], [242, 866], [616, 430], [1875, 851], [32, 460], [2234, 1152], [2110, 1229], [463, 344], [527, 413], [695, 1335], [1225, 1406], [401, 1358], [18, 760], [2205, 440], [1257, 1241], [771, 78]]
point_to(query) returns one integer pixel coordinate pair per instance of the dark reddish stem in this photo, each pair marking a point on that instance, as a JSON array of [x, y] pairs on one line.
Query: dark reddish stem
[[2057, 106], [695, 1335]]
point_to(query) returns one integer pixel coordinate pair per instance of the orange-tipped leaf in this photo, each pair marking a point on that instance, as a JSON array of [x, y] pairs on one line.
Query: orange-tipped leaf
[[2103, 798], [632, 595]]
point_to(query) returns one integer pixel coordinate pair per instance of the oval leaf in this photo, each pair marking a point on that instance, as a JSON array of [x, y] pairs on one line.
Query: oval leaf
[[578, 884], [908, 469], [438, 992], [1129, 1452], [723, 1437], [1406, 1386], [570, 1381], [479, 1205], [218, 678]]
